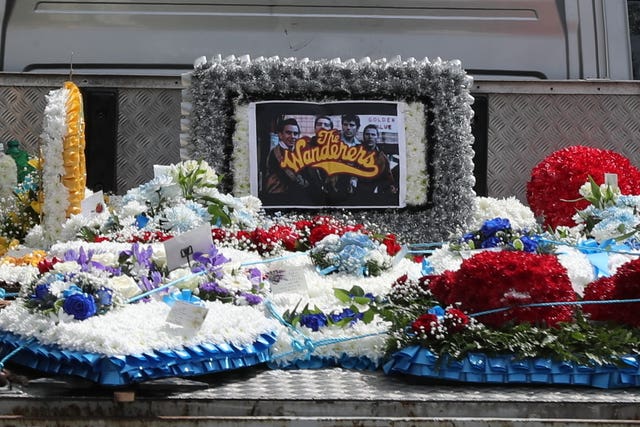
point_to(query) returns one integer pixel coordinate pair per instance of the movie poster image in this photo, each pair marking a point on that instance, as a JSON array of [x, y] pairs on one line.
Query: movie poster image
[[334, 154]]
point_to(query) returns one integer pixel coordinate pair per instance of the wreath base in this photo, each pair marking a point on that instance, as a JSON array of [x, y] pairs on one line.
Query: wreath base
[[204, 358], [506, 369]]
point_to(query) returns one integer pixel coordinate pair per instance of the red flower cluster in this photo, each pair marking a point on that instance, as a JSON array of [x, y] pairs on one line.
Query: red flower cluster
[[427, 323], [625, 284], [559, 177], [299, 236], [491, 280], [430, 324], [46, 265]]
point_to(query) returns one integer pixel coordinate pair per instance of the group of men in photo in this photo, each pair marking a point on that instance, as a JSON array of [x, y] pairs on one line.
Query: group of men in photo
[[328, 187]]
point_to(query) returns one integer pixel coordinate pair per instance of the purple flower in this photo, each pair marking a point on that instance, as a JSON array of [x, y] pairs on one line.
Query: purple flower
[[255, 276], [314, 321], [149, 283], [80, 306], [214, 288], [252, 299], [211, 260]]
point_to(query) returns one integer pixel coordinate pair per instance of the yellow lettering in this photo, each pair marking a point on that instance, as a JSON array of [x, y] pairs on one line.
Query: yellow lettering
[[331, 155]]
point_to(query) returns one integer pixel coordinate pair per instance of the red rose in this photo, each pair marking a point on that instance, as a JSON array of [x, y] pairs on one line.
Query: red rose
[[287, 235], [218, 234], [46, 265], [263, 240], [391, 243], [320, 232], [455, 320], [426, 323]]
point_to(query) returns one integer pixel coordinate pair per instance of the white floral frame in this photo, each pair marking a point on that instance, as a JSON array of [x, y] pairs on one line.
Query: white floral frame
[[217, 89]]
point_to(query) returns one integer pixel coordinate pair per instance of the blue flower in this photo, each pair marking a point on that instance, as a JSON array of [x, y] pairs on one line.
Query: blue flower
[[437, 310], [314, 321], [71, 290], [530, 244], [105, 296], [80, 306], [492, 226], [491, 242], [42, 292]]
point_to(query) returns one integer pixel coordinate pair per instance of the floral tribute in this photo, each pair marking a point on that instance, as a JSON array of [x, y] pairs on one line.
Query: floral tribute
[[491, 280], [557, 179]]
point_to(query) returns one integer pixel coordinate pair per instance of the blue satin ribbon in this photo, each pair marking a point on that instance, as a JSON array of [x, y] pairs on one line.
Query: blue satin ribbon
[[598, 254], [482, 368], [199, 359], [184, 295]]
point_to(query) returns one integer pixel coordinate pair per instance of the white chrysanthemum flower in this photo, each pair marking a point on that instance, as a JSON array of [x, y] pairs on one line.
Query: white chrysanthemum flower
[[179, 219], [132, 208], [579, 269], [520, 216], [9, 176], [35, 237], [442, 259]]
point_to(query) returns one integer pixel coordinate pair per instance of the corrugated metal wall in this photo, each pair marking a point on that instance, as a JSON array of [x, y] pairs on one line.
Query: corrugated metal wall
[[527, 121]]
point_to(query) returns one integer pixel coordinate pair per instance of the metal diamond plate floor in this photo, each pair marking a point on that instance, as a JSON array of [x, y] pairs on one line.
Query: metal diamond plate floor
[[317, 397]]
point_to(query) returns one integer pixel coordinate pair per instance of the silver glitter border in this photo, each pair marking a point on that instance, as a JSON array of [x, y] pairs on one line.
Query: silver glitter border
[[216, 84]]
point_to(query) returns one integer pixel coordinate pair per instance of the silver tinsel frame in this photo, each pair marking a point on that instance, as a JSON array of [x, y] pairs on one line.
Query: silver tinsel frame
[[217, 84]]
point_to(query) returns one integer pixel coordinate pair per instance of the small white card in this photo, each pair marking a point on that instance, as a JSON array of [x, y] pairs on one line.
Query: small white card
[[287, 281], [611, 179], [94, 204], [187, 315], [180, 249]]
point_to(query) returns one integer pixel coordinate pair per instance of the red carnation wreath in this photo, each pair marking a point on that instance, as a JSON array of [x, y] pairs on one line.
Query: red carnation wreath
[[491, 280], [625, 284], [559, 177]]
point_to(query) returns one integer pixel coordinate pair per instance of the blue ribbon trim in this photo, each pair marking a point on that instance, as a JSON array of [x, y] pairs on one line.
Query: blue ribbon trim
[[199, 359], [345, 361], [506, 369]]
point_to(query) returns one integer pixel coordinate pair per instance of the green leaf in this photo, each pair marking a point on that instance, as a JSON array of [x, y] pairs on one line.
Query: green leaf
[[367, 316], [362, 300], [357, 291], [342, 295]]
